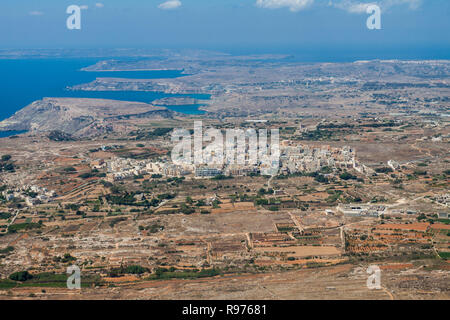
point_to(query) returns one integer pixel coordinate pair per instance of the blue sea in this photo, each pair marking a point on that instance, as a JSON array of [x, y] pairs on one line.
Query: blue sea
[[23, 81]]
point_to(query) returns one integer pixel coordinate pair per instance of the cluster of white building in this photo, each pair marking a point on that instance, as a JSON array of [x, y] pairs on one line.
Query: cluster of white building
[[304, 158], [31, 194], [119, 169], [394, 165], [362, 210], [293, 158], [443, 199]]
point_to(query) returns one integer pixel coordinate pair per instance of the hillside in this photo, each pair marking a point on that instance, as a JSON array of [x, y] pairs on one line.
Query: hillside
[[79, 116]]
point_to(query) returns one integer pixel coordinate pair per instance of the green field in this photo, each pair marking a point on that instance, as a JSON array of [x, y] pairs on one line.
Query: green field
[[47, 279], [444, 255]]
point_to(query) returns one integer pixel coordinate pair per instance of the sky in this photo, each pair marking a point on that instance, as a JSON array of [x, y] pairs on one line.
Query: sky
[[229, 25]]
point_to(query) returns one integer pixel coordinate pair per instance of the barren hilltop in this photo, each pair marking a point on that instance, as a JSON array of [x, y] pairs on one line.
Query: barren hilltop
[[79, 116]]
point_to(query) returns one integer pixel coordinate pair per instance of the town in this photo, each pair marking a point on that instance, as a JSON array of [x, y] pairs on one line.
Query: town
[[304, 195]]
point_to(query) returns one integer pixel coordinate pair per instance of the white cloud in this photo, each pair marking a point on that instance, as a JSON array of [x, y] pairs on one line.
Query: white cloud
[[412, 4], [99, 5], [293, 5], [351, 6], [35, 13], [354, 6], [84, 7], [170, 5]]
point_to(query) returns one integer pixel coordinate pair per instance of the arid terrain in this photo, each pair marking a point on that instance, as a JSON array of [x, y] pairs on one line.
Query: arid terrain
[[363, 180]]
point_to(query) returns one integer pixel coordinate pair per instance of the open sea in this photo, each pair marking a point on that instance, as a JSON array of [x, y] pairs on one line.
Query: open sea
[[23, 81]]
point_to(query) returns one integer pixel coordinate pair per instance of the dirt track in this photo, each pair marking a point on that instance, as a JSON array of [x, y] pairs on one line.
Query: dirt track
[[339, 282]]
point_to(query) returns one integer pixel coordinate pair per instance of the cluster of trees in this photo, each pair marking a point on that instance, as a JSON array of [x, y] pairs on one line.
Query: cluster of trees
[[5, 215], [265, 202], [318, 176], [384, 170], [154, 228], [263, 191], [115, 221], [221, 177], [66, 258], [7, 250], [133, 269], [163, 273], [158, 132], [334, 196], [24, 226], [122, 199], [57, 135], [317, 135], [20, 276], [6, 164], [176, 179], [47, 279], [186, 209], [321, 178], [347, 176], [72, 206], [166, 196], [92, 174]]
